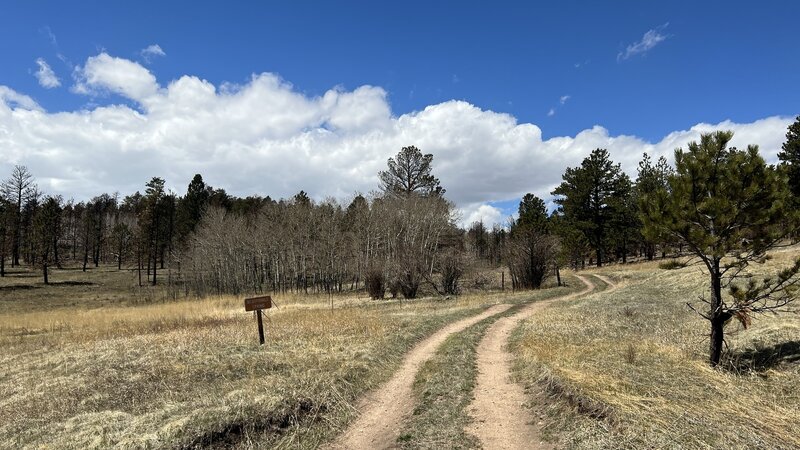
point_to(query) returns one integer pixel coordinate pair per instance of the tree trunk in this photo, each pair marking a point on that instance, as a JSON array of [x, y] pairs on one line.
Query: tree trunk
[[56, 260], [558, 276], [717, 341], [44, 272], [85, 256], [16, 237], [717, 318], [599, 258], [139, 265]]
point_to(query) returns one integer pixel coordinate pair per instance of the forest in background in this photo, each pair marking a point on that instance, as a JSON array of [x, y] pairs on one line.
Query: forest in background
[[395, 241]]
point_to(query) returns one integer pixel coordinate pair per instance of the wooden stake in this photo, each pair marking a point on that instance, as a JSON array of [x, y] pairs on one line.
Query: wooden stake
[[260, 327]]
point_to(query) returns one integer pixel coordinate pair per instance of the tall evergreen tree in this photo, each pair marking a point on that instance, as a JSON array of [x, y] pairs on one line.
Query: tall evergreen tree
[[153, 218], [625, 226], [18, 189], [790, 158], [532, 213], [410, 172], [651, 179], [532, 251], [191, 208], [729, 207], [586, 198]]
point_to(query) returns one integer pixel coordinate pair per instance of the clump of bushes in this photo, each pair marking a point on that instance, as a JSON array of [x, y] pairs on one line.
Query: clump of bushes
[[375, 283], [672, 265]]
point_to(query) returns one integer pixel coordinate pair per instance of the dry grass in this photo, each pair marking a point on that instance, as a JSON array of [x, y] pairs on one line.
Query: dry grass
[[628, 368], [101, 373]]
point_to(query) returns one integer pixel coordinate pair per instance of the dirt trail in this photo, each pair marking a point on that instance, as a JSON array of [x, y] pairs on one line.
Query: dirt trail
[[383, 411], [500, 421], [612, 286]]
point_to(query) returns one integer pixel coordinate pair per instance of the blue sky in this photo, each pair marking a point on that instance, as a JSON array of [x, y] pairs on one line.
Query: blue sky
[[643, 69]]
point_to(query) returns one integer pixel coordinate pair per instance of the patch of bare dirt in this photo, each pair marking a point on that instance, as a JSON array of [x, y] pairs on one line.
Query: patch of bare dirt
[[383, 411], [500, 419]]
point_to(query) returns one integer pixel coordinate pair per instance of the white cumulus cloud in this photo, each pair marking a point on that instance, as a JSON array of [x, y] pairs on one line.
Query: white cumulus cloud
[[650, 39], [482, 212], [264, 137], [105, 73], [47, 78]]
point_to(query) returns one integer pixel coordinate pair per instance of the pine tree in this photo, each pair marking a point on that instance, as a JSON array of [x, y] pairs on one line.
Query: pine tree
[[532, 213], [410, 172], [532, 250], [191, 208], [586, 198], [46, 231], [729, 207], [152, 218], [790, 159], [651, 179], [18, 189]]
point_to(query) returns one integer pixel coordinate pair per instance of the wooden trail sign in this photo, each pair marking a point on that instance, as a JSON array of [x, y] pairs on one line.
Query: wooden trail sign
[[257, 304]]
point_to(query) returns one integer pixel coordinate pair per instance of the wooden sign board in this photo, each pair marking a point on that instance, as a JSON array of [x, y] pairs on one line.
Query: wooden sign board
[[257, 303]]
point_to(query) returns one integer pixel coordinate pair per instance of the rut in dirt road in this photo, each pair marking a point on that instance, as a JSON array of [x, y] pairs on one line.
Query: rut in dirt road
[[500, 421], [383, 411]]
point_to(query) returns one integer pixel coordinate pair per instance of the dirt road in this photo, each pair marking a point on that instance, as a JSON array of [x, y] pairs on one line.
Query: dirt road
[[500, 421], [383, 411]]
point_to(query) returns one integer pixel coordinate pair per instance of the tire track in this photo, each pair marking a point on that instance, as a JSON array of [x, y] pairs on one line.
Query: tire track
[[500, 420], [384, 410]]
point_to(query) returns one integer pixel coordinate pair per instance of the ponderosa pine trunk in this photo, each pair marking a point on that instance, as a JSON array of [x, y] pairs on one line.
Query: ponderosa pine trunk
[[716, 317]]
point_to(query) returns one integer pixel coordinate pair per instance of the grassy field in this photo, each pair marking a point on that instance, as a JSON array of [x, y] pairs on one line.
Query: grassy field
[[628, 368], [93, 362], [92, 365]]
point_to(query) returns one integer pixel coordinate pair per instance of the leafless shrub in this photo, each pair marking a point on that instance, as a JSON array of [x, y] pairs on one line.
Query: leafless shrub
[[481, 280], [452, 269], [531, 256]]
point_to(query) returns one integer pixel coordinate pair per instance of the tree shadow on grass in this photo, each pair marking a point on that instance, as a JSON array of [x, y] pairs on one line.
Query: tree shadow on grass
[[71, 283], [18, 287], [764, 358]]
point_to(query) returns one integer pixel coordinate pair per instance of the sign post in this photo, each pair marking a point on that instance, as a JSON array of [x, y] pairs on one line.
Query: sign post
[[257, 304]]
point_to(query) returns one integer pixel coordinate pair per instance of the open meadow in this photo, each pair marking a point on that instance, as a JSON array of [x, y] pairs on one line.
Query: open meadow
[[87, 363], [92, 364]]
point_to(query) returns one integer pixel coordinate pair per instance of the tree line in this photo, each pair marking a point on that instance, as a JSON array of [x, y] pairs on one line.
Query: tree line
[[723, 205]]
